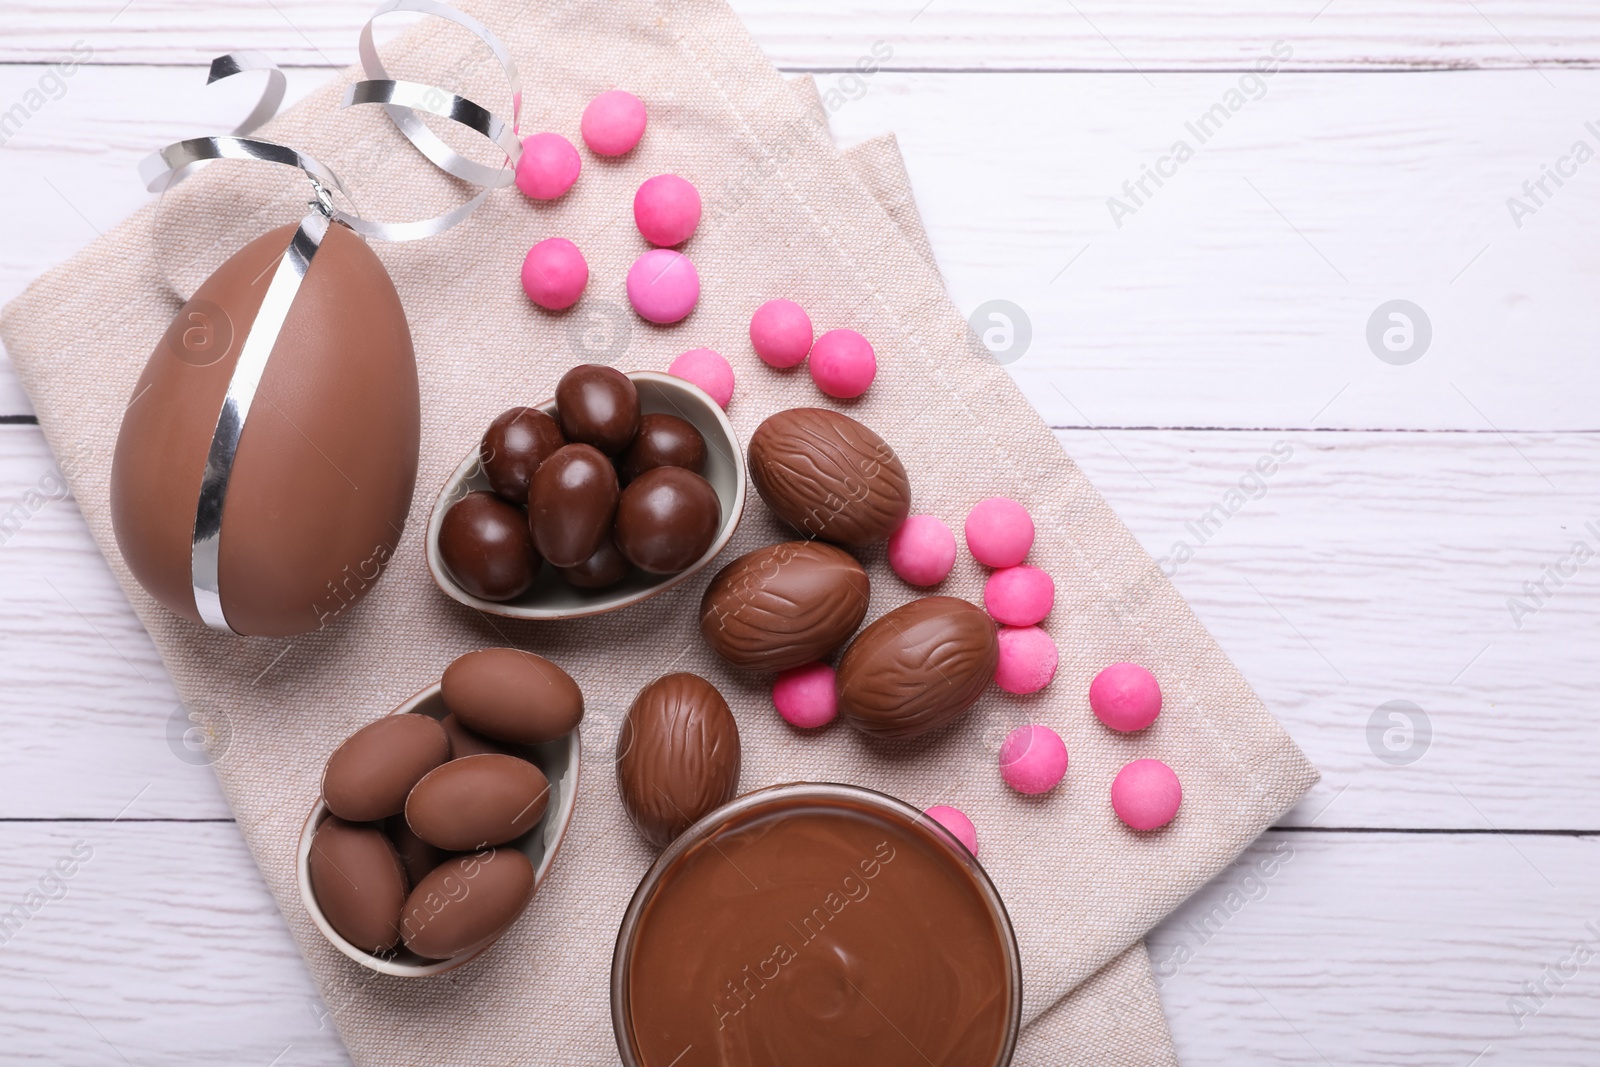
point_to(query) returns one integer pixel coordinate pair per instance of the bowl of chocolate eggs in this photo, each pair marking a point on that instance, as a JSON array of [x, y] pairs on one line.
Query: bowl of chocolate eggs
[[616, 489]]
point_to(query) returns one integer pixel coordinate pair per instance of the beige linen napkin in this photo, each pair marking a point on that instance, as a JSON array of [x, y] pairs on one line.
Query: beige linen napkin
[[785, 215]]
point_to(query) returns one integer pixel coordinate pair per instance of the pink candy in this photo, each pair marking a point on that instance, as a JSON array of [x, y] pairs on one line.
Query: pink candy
[[1019, 596], [1033, 759], [613, 123], [1125, 697], [1146, 794], [999, 532], [554, 273], [958, 824], [663, 285], [1028, 659], [922, 550], [708, 370], [666, 209], [548, 167], [780, 332], [805, 696], [843, 364]]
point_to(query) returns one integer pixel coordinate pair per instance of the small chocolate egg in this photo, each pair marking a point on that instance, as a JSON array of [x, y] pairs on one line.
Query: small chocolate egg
[[677, 756], [466, 902], [416, 855], [663, 441], [571, 504], [368, 776], [358, 882], [784, 605], [513, 447], [602, 570], [477, 801], [465, 742], [829, 476], [666, 519], [514, 696], [487, 547], [917, 668], [598, 406]]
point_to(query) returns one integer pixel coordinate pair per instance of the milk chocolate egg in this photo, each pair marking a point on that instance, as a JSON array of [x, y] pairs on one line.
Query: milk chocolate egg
[[571, 504], [513, 447], [510, 695], [368, 776], [465, 742], [358, 882], [602, 570], [466, 902], [477, 801], [487, 547], [666, 519], [598, 406], [829, 476], [784, 605], [322, 480], [663, 441], [917, 668], [417, 857], [677, 756]]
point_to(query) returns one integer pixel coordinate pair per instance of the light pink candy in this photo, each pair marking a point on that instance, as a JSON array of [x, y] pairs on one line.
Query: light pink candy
[[957, 823], [1028, 659], [708, 370], [780, 332], [805, 696], [548, 167], [554, 273], [999, 532], [1125, 697], [1019, 596], [1033, 759], [666, 209], [613, 123], [1146, 794], [922, 550], [843, 364], [663, 285]]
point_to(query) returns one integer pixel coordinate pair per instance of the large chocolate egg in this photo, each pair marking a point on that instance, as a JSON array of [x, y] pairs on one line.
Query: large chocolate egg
[[571, 504], [829, 476], [327, 460], [917, 668], [784, 605], [677, 756]]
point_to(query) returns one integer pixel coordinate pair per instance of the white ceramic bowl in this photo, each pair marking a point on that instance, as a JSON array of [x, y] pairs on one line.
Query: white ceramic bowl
[[551, 597], [558, 760]]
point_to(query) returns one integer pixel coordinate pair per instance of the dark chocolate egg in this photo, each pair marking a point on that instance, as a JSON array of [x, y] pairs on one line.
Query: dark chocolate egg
[[510, 695], [598, 406], [784, 605], [477, 801], [487, 547], [358, 882], [602, 570], [466, 902], [322, 480], [513, 447], [571, 504], [666, 519], [677, 756], [829, 476], [369, 775], [663, 441], [917, 668]]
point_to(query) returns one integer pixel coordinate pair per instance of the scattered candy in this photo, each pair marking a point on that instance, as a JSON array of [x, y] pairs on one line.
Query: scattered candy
[[1033, 759], [666, 209], [780, 332], [1019, 596], [843, 364], [663, 285], [613, 123], [805, 696], [959, 825], [1146, 794], [999, 532], [922, 550], [1028, 659], [554, 273], [708, 370], [1125, 697], [548, 167]]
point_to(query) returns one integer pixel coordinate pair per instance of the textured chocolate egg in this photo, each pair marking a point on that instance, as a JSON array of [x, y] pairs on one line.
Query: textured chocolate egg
[[513, 447], [571, 504], [917, 668], [465, 742], [417, 857], [466, 902], [677, 756], [322, 480], [358, 882], [514, 696], [598, 406], [784, 605], [602, 570], [663, 441], [666, 519], [487, 547], [477, 801], [368, 776], [829, 476]]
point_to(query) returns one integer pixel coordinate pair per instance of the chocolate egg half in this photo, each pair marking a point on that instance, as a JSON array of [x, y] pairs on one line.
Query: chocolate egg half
[[784, 605], [917, 668], [677, 756], [829, 476]]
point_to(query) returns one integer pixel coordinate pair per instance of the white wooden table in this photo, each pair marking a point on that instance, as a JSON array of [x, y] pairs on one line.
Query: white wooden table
[[1440, 903]]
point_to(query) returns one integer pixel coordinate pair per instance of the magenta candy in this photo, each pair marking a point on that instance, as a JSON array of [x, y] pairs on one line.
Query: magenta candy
[[805, 696], [922, 550], [1028, 659], [666, 209], [554, 273], [708, 370], [960, 827], [1033, 759], [1146, 794], [1019, 596], [613, 123], [780, 332], [548, 167], [843, 364], [663, 285], [999, 532], [1125, 697]]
